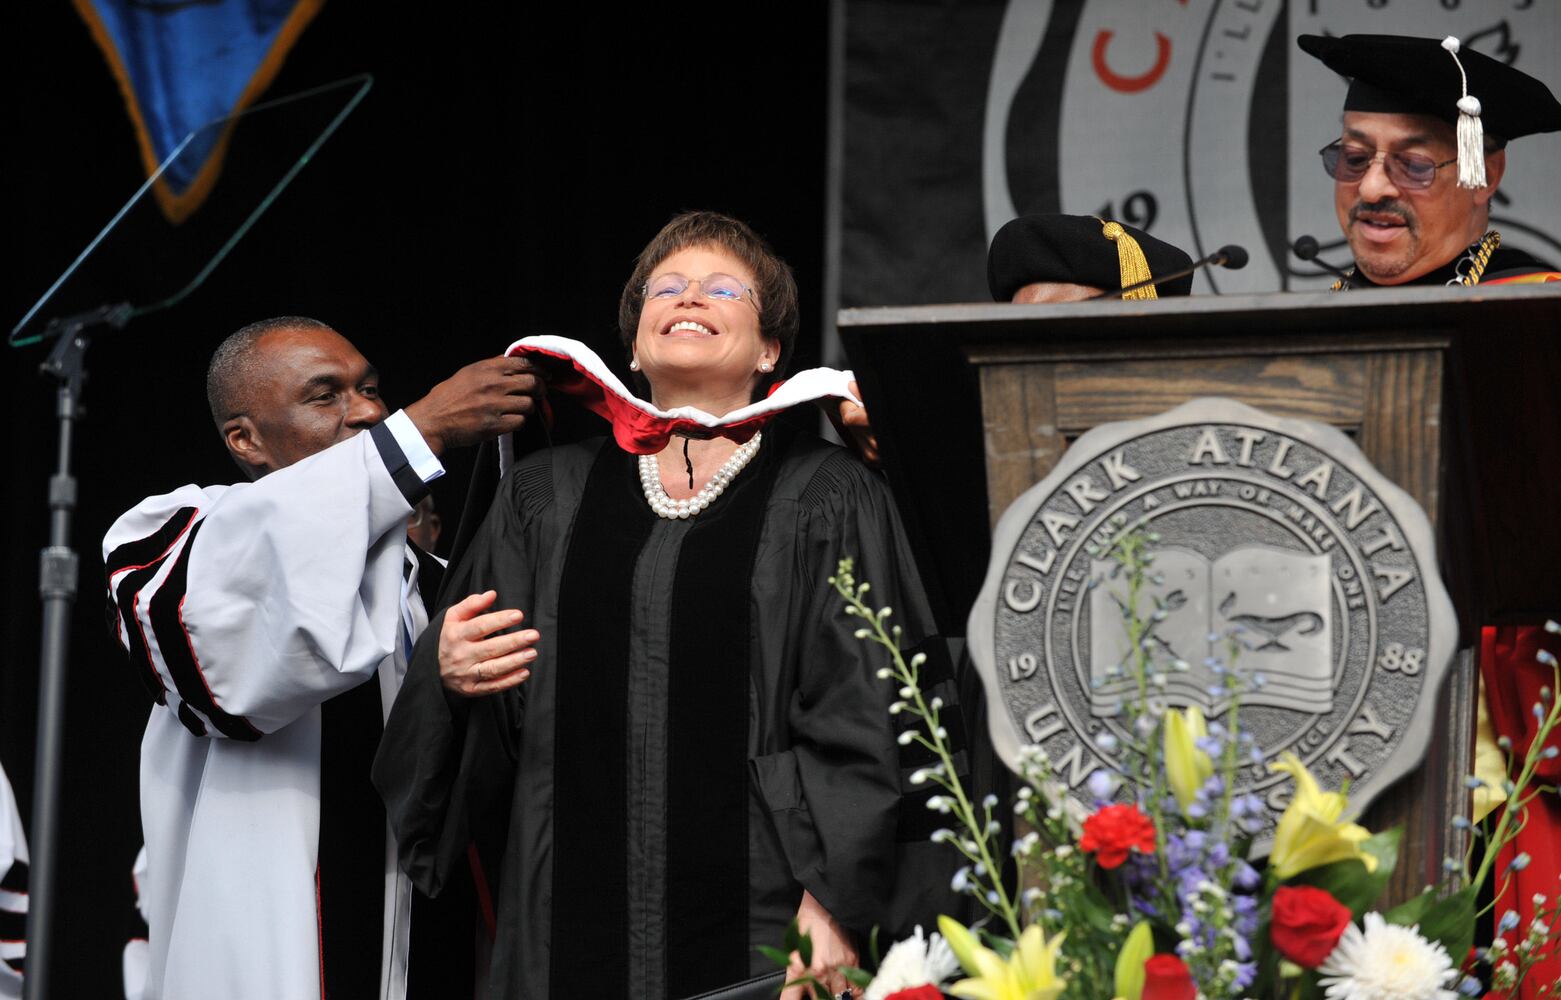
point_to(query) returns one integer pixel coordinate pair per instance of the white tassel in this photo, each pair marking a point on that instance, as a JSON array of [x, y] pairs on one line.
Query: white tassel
[[1471, 144], [1471, 134]]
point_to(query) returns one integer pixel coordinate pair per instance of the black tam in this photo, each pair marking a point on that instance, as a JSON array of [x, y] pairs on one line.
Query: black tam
[[1073, 249], [1398, 74]]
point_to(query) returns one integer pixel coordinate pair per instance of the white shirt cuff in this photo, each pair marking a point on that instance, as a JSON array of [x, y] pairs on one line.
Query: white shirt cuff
[[420, 459]]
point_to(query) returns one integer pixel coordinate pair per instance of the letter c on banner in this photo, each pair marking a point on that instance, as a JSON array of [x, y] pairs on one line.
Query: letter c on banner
[[1130, 84]]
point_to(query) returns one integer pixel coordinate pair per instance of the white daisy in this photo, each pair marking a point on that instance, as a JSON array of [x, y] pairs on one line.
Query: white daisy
[[1387, 962], [916, 961]]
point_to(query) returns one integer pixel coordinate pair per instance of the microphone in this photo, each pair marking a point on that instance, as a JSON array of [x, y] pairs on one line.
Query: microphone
[[1306, 248], [1230, 256]]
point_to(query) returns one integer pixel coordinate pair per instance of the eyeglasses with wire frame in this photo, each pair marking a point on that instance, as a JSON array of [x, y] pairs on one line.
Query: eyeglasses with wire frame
[[718, 286], [1411, 171]]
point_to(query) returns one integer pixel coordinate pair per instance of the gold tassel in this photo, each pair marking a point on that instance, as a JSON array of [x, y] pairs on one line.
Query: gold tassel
[[1130, 260]]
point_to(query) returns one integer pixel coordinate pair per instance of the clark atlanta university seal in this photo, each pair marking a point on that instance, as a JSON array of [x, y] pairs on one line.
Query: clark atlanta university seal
[[1277, 527]]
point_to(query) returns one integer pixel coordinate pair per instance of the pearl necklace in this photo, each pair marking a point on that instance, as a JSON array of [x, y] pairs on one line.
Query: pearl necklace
[[665, 506]]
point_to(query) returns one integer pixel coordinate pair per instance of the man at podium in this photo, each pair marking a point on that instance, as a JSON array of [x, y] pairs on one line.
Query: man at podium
[[1420, 155]]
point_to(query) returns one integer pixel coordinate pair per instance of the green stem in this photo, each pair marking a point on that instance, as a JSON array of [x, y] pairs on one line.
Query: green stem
[[963, 809], [1526, 773]]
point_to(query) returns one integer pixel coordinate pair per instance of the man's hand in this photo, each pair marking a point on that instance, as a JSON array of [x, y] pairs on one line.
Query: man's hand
[[832, 948], [857, 431], [481, 401], [472, 660]]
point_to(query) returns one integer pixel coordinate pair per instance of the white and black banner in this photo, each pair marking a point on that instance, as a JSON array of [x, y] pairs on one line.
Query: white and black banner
[[1197, 120]]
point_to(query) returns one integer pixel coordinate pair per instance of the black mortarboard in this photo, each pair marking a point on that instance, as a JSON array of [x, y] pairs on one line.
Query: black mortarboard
[[1080, 250], [1398, 74]]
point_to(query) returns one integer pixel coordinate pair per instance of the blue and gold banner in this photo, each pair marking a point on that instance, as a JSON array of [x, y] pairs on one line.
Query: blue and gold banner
[[181, 65]]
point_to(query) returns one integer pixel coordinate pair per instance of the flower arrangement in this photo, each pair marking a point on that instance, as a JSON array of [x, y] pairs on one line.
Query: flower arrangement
[[1155, 893]]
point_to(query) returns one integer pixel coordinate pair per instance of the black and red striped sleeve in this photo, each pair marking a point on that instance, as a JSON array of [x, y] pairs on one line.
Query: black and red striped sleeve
[[242, 608]]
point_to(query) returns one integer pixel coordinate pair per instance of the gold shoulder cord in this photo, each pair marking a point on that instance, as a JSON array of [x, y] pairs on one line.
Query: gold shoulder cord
[[1478, 259]]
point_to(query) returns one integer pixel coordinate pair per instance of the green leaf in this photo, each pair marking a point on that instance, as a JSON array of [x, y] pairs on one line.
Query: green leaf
[[1265, 956], [1136, 950], [1449, 921], [872, 947], [1003, 946], [857, 977], [1283, 978], [797, 941], [817, 988], [1384, 847], [1096, 910], [780, 958], [1411, 911], [1308, 989], [1349, 882]]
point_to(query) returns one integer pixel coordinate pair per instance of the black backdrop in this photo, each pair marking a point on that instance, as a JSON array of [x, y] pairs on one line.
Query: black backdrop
[[497, 181]]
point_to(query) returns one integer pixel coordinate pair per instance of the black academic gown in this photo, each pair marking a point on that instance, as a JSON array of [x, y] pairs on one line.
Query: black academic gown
[[1505, 262], [701, 738]]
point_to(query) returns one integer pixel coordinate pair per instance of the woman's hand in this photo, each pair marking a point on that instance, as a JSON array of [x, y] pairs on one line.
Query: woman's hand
[[832, 948], [472, 660]]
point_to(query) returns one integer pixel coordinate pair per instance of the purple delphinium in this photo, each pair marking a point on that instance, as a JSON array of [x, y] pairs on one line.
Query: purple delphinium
[[1248, 812], [1138, 875], [1218, 906]]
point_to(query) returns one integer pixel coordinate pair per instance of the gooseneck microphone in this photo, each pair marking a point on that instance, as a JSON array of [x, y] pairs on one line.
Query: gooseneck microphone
[[1306, 248], [1228, 256]]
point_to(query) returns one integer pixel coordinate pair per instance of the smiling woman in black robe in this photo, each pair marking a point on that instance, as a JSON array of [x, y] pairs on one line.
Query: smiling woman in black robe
[[702, 751]]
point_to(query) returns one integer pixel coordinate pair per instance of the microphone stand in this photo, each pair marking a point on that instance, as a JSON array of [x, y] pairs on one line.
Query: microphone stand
[[58, 569], [1309, 253], [1221, 257]]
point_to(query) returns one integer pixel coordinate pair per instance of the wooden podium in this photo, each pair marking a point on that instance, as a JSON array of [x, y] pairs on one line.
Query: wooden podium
[[1452, 393]]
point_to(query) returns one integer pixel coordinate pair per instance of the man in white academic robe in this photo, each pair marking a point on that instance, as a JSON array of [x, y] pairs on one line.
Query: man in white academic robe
[[271, 622]]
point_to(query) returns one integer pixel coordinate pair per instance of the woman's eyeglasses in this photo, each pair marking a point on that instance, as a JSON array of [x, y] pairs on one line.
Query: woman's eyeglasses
[[722, 287], [1349, 164]]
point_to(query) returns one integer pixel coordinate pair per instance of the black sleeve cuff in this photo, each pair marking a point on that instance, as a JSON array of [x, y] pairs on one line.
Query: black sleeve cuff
[[407, 481]]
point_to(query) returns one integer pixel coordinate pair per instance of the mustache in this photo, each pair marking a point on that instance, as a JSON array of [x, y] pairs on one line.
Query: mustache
[[1387, 206]]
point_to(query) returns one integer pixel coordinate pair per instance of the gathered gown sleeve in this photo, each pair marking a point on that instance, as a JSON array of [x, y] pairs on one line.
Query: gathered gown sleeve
[[447, 762], [838, 795], [246, 607]]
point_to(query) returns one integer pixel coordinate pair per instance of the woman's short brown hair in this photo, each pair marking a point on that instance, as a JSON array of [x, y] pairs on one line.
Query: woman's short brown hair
[[773, 281]]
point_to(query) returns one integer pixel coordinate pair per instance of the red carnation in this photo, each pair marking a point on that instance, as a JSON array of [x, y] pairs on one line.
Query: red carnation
[[1307, 924], [1114, 830], [925, 991], [1166, 978]]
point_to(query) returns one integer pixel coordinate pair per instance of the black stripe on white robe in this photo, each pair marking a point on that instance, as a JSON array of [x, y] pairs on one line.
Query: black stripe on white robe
[[142, 559], [13, 917]]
